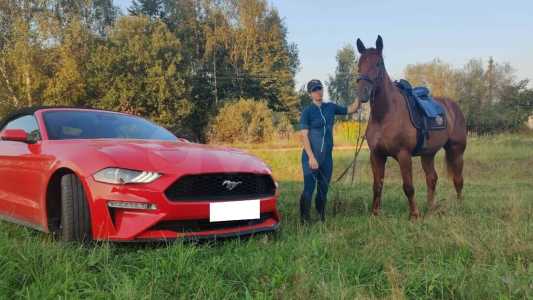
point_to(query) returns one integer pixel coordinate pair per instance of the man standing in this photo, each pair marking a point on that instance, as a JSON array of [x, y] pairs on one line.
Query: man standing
[[316, 125]]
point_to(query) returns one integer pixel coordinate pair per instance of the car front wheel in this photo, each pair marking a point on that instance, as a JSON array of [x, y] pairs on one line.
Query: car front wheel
[[75, 215]]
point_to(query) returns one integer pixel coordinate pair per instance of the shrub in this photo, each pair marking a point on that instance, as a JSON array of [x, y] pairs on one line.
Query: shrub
[[283, 125], [347, 132], [242, 121]]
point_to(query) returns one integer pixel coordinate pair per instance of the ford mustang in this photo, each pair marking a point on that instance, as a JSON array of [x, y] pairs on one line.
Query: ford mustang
[[85, 174]]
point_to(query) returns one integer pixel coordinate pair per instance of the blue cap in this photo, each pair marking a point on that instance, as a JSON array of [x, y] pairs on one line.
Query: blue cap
[[314, 85]]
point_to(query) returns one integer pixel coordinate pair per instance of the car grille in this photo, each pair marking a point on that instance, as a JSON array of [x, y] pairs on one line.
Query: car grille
[[205, 225], [212, 187]]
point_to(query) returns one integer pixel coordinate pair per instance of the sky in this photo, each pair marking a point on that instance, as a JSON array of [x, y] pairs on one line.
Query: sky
[[413, 31]]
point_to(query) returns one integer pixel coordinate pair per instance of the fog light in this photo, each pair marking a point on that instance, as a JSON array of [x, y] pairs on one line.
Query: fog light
[[131, 205]]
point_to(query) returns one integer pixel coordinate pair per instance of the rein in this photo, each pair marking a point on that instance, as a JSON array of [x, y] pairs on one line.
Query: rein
[[358, 146]]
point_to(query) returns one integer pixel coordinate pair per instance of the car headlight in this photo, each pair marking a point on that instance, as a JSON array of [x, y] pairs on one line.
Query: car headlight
[[125, 176]]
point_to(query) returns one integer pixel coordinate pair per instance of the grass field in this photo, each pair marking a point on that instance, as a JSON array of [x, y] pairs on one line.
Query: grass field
[[479, 249]]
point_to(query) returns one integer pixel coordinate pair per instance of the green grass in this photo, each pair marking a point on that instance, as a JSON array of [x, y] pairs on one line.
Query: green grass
[[479, 249]]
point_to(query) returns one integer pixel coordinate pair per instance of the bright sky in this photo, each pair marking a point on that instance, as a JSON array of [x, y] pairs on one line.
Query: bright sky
[[413, 31]]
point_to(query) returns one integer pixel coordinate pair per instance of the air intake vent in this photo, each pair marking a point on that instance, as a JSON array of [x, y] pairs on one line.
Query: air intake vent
[[221, 186]]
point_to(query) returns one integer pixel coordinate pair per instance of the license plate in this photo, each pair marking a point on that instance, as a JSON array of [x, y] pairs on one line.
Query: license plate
[[234, 210]]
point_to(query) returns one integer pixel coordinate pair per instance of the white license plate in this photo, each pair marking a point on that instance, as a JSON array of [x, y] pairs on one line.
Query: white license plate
[[234, 210]]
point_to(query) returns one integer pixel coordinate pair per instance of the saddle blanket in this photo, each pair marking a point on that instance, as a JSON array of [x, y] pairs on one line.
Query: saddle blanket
[[426, 114]]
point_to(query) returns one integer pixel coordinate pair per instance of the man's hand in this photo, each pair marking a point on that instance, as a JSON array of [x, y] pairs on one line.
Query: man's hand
[[313, 163]]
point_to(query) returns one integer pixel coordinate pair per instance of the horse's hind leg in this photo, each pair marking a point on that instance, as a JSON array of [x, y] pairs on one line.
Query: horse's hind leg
[[428, 164], [406, 167], [454, 163]]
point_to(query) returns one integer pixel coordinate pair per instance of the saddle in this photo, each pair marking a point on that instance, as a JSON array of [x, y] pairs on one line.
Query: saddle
[[425, 113]]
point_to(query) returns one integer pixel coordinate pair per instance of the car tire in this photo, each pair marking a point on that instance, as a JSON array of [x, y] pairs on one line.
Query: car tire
[[75, 215]]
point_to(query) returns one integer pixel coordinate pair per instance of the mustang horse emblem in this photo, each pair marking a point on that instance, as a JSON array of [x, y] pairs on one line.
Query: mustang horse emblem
[[230, 185]]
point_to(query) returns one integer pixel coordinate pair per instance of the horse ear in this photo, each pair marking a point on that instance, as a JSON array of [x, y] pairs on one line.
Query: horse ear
[[379, 43], [360, 46]]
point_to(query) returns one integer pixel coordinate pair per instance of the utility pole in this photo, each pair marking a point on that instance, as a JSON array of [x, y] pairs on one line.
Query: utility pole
[[215, 90], [490, 79]]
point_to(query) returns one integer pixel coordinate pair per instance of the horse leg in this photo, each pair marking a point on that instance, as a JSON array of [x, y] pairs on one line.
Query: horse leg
[[406, 168], [378, 169], [428, 164], [454, 163]]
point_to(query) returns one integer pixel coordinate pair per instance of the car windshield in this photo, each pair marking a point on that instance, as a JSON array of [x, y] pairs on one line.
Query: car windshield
[[73, 124]]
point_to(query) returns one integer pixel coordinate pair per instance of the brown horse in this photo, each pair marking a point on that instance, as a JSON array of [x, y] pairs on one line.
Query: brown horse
[[390, 132]]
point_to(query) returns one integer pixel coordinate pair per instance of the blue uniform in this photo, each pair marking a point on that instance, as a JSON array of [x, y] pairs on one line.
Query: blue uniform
[[319, 120]]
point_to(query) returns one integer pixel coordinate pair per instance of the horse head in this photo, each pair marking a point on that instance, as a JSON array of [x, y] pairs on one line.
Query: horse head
[[371, 70]]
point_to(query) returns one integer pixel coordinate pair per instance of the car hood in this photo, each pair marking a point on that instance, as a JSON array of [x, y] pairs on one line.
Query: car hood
[[172, 157]]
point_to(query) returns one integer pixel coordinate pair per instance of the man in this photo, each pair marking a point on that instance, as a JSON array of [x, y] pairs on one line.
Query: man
[[316, 124]]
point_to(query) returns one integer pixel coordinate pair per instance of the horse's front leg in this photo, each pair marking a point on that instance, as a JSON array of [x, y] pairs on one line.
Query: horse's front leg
[[378, 169], [406, 167]]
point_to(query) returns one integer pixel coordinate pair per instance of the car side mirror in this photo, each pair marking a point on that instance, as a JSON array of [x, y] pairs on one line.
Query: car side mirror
[[15, 135]]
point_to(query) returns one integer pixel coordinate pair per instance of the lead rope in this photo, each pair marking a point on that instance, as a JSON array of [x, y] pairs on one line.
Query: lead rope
[[359, 142], [358, 146]]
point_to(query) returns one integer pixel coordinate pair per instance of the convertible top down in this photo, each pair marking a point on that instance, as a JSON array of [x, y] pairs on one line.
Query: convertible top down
[[87, 174]]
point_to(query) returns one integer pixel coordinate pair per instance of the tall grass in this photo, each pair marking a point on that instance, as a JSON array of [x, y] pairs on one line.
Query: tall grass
[[481, 248]]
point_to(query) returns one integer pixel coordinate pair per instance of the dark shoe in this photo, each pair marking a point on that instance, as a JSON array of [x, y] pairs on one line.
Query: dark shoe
[[321, 209], [305, 216], [322, 216]]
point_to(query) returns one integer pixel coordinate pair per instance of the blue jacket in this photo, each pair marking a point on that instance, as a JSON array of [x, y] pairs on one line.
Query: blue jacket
[[319, 120]]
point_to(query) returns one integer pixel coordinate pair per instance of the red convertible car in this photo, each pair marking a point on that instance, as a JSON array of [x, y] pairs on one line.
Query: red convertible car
[[86, 174]]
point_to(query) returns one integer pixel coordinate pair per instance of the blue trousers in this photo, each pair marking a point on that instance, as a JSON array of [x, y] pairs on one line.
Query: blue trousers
[[318, 179]]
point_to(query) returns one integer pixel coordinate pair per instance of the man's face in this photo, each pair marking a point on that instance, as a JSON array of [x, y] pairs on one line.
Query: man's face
[[317, 95]]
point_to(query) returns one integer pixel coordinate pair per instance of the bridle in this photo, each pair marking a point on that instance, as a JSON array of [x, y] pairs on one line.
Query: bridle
[[375, 81]]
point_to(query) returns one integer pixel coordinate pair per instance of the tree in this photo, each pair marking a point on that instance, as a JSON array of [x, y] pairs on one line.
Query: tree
[[438, 76], [243, 121], [150, 8], [247, 54], [230, 49], [304, 98], [44, 47], [23, 61], [342, 87], [139, 70], [490, 97], [175, 62], [68, 83]]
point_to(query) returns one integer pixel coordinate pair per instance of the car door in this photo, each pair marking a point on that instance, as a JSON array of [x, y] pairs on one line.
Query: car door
[[22, 174]]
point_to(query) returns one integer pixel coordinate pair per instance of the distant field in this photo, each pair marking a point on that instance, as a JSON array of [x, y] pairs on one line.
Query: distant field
[[479, 249], [345, 135]]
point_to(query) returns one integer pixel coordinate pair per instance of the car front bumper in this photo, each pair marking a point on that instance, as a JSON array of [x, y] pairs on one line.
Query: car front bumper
[[170, 220]]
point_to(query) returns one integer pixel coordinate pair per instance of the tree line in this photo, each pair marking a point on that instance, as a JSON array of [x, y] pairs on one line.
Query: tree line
[[175, 62], [181, 63]]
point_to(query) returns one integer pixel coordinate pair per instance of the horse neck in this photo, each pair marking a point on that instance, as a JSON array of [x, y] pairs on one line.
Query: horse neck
[[382, 103]]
